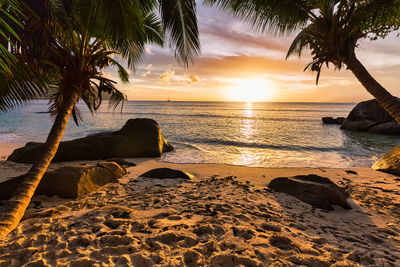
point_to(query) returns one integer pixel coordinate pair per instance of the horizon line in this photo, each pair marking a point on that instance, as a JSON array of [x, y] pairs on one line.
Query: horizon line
[[228, 101]]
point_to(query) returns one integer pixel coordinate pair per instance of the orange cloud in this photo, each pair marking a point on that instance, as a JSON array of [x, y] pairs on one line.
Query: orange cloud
[[193, 79], [167, 75]]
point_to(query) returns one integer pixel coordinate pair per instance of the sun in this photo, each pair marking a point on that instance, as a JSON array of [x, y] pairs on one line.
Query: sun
[[252, 90]]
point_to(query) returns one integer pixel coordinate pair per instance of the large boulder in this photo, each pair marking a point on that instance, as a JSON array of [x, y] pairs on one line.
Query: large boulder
[[70, 181], [390, 162], [138, 138], [312, 189], [369, 116], [166, 173]]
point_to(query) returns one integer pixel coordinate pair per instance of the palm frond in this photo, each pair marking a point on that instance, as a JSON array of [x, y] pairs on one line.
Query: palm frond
[[9, 26], [122, 72], [180, 23], [23, 85], [153, 29], [116, 97], [298, 44], [275, 16]]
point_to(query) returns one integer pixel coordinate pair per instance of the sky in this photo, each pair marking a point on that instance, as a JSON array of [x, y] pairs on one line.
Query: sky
[[240, 64]]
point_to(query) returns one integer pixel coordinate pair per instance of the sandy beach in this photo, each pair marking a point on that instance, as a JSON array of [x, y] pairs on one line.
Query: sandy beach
[[224, 216]]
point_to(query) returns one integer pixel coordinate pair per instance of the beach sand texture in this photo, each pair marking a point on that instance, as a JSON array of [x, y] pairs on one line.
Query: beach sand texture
[[224, 216]]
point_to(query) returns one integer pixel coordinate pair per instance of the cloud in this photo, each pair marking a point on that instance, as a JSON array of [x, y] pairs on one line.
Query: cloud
[[192, 79], [148, 51], [167, 75], [148, 71], [145, 74]]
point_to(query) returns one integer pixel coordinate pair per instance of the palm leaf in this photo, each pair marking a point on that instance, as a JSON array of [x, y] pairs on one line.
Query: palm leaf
[[8, 27], [24, 85], [275, 16], [180, 23]]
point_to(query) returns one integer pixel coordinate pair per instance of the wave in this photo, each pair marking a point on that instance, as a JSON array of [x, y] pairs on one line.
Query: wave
[[192, 142], [188, 145], [8, 131]]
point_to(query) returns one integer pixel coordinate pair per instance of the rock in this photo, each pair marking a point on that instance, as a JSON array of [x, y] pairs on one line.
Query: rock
[[166, 173], [138, 138], [390, 162], [369, 116], [330, 120], [312, 189], [70, 181], [122, 162]]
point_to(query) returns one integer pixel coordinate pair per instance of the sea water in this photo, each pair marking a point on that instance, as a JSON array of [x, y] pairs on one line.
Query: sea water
[[251, 134]]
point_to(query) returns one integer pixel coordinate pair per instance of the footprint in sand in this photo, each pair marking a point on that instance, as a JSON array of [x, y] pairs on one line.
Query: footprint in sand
[[242, 232], [174, 217], [281, 242]]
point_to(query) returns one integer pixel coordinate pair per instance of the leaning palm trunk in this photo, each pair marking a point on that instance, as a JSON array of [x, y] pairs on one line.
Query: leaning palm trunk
[[15, 209], [384, 98]]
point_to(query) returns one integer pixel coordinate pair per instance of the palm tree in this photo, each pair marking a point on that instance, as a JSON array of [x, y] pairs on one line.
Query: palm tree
[[330, 29], [80, 39]]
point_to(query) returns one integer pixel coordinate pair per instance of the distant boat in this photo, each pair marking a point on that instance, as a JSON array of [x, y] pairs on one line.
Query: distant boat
[[169, 99]]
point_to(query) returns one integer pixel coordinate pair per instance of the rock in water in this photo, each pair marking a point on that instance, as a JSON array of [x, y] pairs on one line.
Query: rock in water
[[166, 173], [312, 189], [390, 162], [70, 181], [330, 120], [369, 116], [138, 138]]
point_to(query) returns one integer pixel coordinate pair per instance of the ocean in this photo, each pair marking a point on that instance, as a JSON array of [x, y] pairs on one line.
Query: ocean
[[250, 134]]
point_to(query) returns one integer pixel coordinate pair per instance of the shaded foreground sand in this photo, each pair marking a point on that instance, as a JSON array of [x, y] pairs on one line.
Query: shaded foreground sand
[[225, 216]]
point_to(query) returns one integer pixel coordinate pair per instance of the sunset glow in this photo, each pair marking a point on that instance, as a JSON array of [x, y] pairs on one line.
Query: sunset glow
[[252, 90], [231, 50]]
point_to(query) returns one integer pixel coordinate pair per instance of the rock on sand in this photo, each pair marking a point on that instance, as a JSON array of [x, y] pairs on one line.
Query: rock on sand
[[138, 138], [166, 173], [70, 181], [312, 189], [390, 162]]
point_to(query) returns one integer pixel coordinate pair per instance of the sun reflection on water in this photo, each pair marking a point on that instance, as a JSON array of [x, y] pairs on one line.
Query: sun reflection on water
[[248, 111], [247, 156], [247, 129]]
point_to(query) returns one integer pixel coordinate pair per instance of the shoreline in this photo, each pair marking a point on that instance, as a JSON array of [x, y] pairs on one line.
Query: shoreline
[[224, 216], [265, 174], [7, 148]]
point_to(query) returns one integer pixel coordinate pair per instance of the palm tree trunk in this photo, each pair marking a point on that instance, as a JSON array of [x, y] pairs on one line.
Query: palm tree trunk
[[16, 206], [390, 103]]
